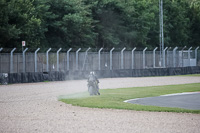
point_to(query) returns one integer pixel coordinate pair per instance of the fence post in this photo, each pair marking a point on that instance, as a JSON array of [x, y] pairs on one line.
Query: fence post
[[189, 56], [86, 52], [0, 58], [132, 52], [111, 58], [174, 56], [68, 58], [36, 59], [122, 58], [196, 54], [11, 60], [23, 56], [168, 56], [99, 53], [47, 56], [77, 58], [58, 58], [144, 57], [164, 56], [154, 57]]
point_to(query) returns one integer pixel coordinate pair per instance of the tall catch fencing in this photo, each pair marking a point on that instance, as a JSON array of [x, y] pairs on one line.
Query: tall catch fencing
[[91, 60]]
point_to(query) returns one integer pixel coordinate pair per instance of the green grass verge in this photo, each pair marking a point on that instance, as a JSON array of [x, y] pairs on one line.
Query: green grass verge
[[113, 98]]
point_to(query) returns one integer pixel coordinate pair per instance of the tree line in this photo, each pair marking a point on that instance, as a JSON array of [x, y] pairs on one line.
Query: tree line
[[98, 23]]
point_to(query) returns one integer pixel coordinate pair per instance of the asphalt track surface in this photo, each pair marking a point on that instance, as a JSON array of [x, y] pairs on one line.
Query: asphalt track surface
[[181, 100]]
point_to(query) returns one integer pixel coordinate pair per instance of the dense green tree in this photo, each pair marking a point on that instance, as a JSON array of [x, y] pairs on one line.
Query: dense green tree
[[98, 23]]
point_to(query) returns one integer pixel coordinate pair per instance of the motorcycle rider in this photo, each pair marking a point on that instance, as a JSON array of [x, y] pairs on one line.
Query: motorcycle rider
[[92, 77]]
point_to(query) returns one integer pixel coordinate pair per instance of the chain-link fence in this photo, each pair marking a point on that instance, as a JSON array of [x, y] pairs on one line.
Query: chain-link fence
[[13, 62]]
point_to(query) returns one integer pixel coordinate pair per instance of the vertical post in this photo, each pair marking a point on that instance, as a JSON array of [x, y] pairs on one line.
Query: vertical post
[[182, 54], [122, 58], [23, 56], [144, 57], [196, 55], [174, 56], [99, 53], [58, 58], [47, 56], [86, 52], [36, 59], [189, 56], [77, 58], [68, 58], [164, 56], [111, 58], [154, 57], [11, 60], [168, 56], [0, 59], [133, 59]]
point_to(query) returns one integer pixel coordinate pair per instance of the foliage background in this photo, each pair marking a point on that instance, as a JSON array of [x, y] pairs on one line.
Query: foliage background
[[98, 23]]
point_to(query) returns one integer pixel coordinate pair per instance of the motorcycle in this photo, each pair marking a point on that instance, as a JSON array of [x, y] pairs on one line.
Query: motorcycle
[[93, 88]]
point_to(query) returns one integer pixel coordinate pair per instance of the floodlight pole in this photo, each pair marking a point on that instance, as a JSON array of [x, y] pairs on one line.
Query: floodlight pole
[[99, 53], [133, 58]]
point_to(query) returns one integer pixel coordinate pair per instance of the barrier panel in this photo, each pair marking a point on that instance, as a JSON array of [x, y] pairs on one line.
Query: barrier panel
[[74, 75]]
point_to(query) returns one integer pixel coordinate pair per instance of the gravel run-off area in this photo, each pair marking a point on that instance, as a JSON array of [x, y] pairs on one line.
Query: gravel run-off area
[[33, 107]]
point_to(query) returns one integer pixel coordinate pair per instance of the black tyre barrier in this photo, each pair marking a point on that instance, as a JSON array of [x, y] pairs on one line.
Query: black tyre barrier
[[74, 75]]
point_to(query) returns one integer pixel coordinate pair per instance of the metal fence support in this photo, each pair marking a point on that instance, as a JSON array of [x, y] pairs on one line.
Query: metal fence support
[[164, 56], [122, 58], [11, 60], [133, 58], [99, 53], [196, 54], [86, 52], [58, 58], [36, 59], [144, 57], [174, 56], [189, 56], [68, 58], [168, 56], [23, 56], [77, 58], [111, 58], [154, 57], [47, 56]]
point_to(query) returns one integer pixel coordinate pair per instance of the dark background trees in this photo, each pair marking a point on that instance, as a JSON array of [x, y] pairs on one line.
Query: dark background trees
[[98, 23]]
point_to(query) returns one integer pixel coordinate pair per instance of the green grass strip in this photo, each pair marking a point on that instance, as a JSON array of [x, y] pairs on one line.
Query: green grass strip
[[113, 98]]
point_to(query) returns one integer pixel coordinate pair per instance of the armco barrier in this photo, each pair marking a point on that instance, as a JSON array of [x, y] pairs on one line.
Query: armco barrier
[[74, 75]]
